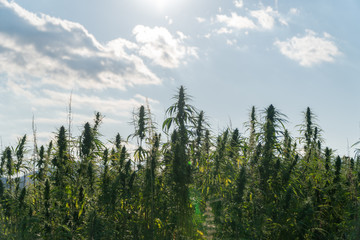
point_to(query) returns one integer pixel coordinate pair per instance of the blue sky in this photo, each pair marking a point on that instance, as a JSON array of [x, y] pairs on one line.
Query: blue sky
[[230, 55]]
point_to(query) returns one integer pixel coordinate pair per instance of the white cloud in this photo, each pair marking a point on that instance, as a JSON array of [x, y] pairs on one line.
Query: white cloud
[[181, 35], [164, 49], [239, 3], [235, 21], [309, 49], [224, 30], [327, 35], [200, 19], [283, 21], [168, 20], [294, 11], [231, 42], [64, 53], [266, 17]]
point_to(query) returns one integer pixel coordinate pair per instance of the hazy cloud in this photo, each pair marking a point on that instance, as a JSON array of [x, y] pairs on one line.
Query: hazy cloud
[[200, 19], [163, 48], [119, 107], [231, 42], [49, 98], [168, 20], [294, 11], [309, 49]]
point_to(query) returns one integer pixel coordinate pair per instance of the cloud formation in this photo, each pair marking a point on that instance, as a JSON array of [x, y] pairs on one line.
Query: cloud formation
[[294, 11], [200, 19], [309, 49], [235, 21], [266, 17], [164, 49], [261, 19], [49, 98], [119, 107], [239, 3], [64, 53]]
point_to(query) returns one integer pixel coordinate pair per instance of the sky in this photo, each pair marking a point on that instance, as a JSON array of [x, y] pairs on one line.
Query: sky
[[110, 56]]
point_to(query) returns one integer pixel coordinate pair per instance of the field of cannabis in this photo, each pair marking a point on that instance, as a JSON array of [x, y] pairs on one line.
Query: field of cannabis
[[260, 184]]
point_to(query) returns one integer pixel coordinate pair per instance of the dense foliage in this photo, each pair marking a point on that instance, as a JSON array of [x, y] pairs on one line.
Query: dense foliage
[[262, 184]]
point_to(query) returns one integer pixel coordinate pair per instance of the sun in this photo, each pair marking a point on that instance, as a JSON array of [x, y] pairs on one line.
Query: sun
[[161, 4], [162, 7]]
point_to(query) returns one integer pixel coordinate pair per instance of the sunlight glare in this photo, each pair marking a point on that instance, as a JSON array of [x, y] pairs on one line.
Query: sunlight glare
[[164, 5]]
